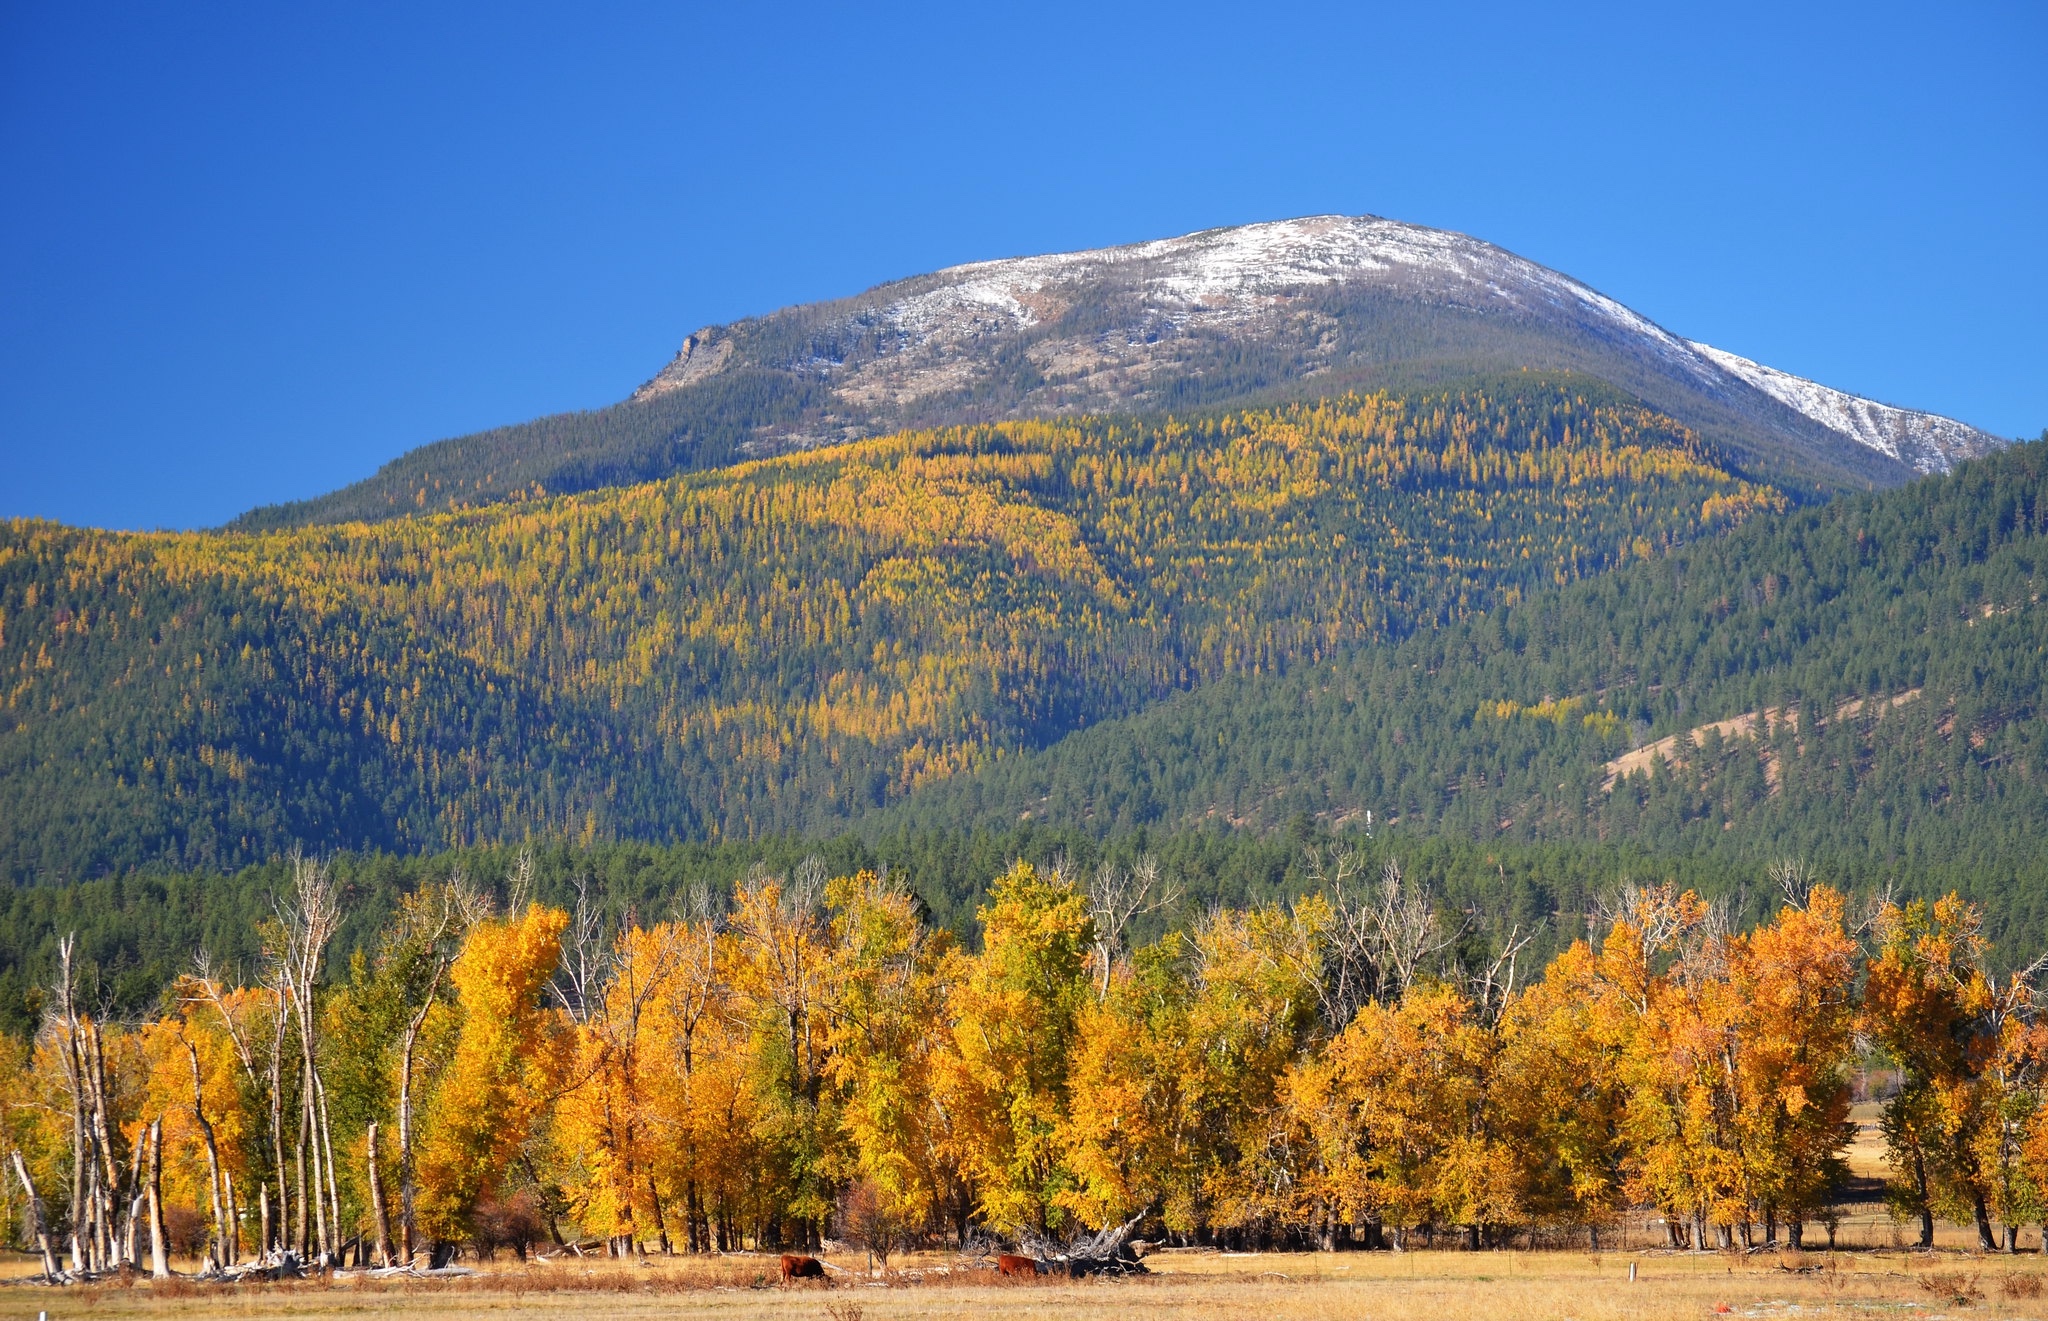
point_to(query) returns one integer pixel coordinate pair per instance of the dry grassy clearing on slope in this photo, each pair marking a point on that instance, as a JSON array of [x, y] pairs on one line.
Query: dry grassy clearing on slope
[[785, 644]]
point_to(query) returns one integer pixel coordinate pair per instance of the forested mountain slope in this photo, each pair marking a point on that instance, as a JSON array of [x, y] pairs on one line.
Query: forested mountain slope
[[1862, 682], [785, 645], [1253, 314]]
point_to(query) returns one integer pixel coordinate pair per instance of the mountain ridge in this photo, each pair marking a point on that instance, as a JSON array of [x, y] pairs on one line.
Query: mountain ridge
[[1224, 317]]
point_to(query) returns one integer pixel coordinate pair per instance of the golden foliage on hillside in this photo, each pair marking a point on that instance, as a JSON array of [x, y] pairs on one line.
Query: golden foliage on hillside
[[799, 633]]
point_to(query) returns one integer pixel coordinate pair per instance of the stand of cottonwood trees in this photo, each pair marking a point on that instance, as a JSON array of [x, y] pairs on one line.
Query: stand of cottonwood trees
[[806, 1056]]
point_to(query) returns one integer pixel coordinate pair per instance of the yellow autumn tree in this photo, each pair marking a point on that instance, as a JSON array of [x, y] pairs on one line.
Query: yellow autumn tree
[[1245, 1010], [1395, 1115], [702, 1107], [506, 1063], [1930, 1000], [1004, 1079], [605, 1116], [890, 978], [780, 956], [1559, 1092]]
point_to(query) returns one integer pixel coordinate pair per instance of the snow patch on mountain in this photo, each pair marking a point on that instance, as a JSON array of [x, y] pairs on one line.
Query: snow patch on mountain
[[1225, 276], [1924, 442]]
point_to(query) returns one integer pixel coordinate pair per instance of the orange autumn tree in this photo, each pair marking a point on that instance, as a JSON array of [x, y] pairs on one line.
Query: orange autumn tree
[[1794, 983], [507, 1061]]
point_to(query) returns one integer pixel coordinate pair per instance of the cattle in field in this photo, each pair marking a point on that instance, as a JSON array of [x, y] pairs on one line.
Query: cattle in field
[[801, 1268], [1011, 1264]]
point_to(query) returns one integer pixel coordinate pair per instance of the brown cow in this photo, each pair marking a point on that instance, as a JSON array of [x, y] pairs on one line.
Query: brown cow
[[1011, 1264], [801, 1268]]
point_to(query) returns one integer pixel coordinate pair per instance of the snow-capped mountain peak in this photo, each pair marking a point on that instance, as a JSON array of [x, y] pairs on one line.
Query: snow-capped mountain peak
[[1210, 319], [1117, 328]]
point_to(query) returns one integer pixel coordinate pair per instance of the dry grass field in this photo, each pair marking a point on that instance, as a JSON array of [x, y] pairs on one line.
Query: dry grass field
[[1197, 1286], [1872, 1276]]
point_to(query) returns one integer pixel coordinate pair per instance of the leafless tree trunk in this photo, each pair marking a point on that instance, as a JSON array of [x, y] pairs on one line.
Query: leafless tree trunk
[[1493, 988], [377, 1213], [1406, 932], [37, 1219], [309, 918], [234, 1239], [158, 1267], [202, 988], [1115, 897], [302, 1225], [111, 1244], [280, 1028], [406, 1192], [217, 1249], [66, 1030]]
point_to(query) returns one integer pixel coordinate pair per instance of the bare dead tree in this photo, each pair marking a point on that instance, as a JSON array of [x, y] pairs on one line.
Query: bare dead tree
[[1494, 986], [519, 885], [1794, 880], [159, 1267], [1115, 897], [380, 1218], [806, 888], [1869, 910], [1347, 975], [1406, 933], [202, 987], [64, 1029], [38, 1220], [588, 950], [307, 919], [105, 1212], [218, 1249]]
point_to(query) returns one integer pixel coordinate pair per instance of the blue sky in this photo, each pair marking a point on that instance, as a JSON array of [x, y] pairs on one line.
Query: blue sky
[[249, 253]]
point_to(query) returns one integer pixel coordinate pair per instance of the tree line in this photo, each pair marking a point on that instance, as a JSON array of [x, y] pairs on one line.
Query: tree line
[[805, 1054]]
